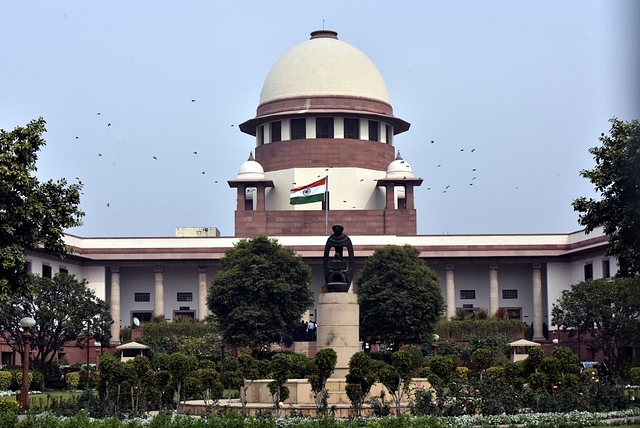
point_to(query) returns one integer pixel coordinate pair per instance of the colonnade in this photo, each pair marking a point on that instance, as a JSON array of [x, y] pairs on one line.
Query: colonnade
[[158, 309], [494, 297]]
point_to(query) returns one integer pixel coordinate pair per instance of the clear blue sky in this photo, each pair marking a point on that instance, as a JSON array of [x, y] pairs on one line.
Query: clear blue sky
[[529, 85]]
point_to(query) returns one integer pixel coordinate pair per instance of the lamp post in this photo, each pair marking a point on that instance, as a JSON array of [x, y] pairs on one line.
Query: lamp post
[[26, 323], [434, 345]]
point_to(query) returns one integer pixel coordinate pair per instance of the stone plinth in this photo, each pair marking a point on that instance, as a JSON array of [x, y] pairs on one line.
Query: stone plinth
[[338, 327]]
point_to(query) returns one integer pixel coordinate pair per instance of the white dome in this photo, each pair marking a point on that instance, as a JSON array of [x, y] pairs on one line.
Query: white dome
[[251, 169], [324, 65], [399, 168]]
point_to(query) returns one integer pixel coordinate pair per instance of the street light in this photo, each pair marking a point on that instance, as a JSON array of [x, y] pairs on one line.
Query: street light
[[434, 345], [26, 323]]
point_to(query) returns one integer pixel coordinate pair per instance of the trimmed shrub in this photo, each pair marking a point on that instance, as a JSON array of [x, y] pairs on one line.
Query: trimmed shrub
[[73, 379], [5, 380], [635, 375]]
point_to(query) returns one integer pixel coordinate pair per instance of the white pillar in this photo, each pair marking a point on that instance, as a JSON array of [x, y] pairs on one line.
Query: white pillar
[[537, 302], [494, 300], [450, 289], [159, 295], [202, 293], [115, 305]]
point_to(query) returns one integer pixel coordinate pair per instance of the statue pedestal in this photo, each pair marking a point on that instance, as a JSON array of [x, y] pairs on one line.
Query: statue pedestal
[[338, 327]]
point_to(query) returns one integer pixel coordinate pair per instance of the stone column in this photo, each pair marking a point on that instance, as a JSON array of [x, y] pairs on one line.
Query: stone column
[[158, 310], [408, 196], [202, 293], [494, 300], [391, 197], [115, 305], [537, 302], [450, 290]]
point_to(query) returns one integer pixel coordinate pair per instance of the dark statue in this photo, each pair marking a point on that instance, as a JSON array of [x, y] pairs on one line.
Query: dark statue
[[338, 271]]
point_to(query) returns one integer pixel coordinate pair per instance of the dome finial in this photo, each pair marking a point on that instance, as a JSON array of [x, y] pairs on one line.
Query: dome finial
[[324, 34], [251, 156], [398, 157]]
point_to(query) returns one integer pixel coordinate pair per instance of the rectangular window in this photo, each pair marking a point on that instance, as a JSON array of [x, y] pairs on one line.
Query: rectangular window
[[29, 266], [64, 270], [142, 297], [606, 272], [298, 129], [183, 315], [467, 294], [374, 130], [588, 271], [352, 128], [276, 131], [509, 294], [142, 317], [324, 127], [46, 271], [185, 297], [389, 135]]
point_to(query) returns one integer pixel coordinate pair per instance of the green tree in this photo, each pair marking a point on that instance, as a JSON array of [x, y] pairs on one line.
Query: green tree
[[535, 355], [211, 383], [396, 377], [363, 373], [481, 358], [322, 367], [617, 181], [32, 214], [399, 296], [242, 372], [261, 291], [281, 365], [65, 310], [605, 311], [180, 366]]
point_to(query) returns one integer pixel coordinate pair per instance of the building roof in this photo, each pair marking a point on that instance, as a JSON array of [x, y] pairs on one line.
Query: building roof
[[324, 65]]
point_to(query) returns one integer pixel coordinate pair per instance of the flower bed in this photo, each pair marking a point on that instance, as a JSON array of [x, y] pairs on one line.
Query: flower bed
[[571, 419]]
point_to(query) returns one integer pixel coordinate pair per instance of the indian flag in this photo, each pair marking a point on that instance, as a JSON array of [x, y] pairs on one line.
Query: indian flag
[[313, 192]]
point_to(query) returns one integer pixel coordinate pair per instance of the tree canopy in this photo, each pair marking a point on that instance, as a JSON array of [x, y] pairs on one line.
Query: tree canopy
[[32, 214], [260, 293], [605, 311], [399, 296], [64, 309], [616, 178]]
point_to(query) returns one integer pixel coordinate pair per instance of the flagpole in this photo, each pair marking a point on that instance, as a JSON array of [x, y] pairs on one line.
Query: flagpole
[[326, 204]]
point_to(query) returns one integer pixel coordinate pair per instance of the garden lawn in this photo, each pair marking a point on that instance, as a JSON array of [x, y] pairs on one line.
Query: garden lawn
[[43, 400]]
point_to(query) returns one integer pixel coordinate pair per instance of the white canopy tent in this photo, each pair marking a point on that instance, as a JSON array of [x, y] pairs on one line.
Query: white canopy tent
[[520, 349]]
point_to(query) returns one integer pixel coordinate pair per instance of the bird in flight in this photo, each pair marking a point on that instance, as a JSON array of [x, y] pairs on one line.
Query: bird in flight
[[107, 204], [99, 154], [155, 158], [195, 153], [473, 169], [108, 125], [193, 101], [473, 150]]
